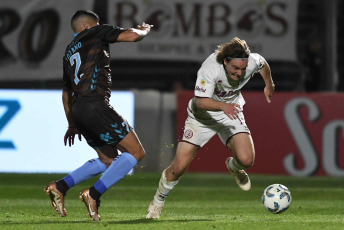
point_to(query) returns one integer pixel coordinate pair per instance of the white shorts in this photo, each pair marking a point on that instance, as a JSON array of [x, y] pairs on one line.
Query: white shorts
[[199, 132]]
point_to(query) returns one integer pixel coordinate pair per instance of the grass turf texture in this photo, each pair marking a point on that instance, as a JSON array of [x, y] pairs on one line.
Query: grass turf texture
[[199, 201]]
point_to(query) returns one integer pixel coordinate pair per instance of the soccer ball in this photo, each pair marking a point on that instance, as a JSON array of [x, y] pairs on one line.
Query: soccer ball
[[276, 198]]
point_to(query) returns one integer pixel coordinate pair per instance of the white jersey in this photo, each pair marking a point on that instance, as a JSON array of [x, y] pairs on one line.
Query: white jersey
[[212, 83]]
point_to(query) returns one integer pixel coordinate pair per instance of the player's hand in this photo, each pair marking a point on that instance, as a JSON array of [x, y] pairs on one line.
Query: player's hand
[[269, 91], [231, 110], [70, 135], [144, 26]]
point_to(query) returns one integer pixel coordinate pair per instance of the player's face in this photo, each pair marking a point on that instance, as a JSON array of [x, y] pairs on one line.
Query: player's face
[[236, 68]]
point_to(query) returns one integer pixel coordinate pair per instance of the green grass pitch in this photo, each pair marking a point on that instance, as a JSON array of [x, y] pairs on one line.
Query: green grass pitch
[[199, 201]]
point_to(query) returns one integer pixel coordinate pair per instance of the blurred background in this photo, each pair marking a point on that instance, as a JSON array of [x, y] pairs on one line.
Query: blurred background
[[300, 133]]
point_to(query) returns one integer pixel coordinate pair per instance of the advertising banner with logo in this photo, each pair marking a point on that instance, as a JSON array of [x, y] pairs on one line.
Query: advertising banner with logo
[[35, 33], [32, 127], [299, 134]]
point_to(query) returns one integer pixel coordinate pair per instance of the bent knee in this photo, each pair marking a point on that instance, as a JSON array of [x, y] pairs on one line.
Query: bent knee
[[142, 153], [106, 161], [246, 161], [139, 154]]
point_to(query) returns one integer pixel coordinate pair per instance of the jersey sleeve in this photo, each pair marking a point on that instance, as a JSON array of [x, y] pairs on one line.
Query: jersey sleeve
[[259, 61], [205, 83], [109, 34]]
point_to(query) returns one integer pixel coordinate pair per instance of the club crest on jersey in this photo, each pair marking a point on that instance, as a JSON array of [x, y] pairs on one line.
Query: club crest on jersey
[[203, 82], [188, 133]]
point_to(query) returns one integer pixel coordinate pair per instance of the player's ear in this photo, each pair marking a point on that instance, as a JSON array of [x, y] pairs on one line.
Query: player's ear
[[226, 61], [85, 25]]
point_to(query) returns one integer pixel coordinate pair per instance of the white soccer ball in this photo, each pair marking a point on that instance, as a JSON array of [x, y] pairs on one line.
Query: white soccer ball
[[276, 198]]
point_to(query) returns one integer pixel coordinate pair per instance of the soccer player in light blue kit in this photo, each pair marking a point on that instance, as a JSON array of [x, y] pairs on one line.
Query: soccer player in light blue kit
[[86, 94], [217, 108]]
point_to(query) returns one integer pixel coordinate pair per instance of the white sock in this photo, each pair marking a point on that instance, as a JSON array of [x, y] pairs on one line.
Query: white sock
[[164, 189], [235, 166]]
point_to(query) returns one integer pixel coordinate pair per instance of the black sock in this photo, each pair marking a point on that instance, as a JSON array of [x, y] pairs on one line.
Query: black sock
[[62, 186], [95, 194]]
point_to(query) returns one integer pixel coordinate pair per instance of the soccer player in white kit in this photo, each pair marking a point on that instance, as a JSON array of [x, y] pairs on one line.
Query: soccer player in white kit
[[217, 108]]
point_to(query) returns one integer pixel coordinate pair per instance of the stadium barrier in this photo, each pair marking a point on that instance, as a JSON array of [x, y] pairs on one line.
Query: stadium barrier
[[299, 134]]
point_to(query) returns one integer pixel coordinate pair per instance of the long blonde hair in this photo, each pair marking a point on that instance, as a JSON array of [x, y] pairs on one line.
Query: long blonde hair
[[236, 48]]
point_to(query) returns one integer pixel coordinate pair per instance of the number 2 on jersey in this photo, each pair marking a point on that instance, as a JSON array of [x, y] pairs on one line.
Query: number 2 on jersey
[[75, 59]]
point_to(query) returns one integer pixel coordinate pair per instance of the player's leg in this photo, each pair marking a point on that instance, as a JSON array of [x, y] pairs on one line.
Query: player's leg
[[170, 177], [184, 155], [57, 190], [88, 170], [132, 153], [241, 145], [196, 134]]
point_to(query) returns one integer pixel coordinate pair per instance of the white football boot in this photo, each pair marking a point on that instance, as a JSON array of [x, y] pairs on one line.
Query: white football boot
[[240, 176], [154, 211]]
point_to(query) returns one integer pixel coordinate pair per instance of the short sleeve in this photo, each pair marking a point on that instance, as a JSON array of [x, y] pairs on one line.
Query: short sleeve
[[259, 61], [110, 33], [205, 83]]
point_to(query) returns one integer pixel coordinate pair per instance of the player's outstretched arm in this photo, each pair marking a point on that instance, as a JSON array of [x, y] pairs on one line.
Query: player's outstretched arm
[[134, 35], [269, 89]]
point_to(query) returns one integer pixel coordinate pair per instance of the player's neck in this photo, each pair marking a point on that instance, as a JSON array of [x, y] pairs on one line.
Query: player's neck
[[232, 82]]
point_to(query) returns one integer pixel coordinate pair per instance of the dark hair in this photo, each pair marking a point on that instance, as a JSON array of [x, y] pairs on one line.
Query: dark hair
[[237, 48], [83, 13]]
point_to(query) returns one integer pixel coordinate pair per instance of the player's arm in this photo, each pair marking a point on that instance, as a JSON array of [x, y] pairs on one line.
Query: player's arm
[[67, 105], [231, 110], [134, 35], [269, 89], [205, 86], [72, 129]]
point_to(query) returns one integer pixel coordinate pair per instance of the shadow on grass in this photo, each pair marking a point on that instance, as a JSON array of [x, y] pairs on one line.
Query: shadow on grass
[[137, 221], [43, 222], [149, 221]]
